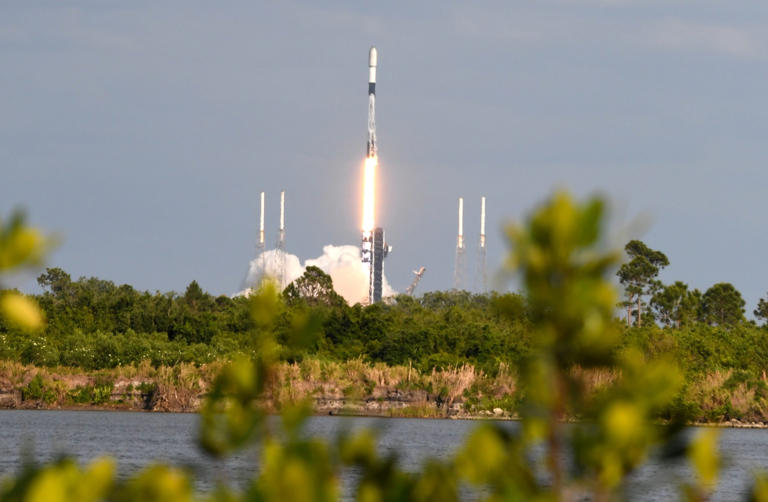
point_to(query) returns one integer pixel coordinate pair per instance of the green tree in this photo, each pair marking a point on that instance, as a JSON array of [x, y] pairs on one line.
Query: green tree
[[195, 297], [675, 305], [638, 276], [761, 312], [315, 287], [55, 280], [723, 305]]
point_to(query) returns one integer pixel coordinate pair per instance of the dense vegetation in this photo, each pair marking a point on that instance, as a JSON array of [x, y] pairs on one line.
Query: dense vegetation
[[95, 324]]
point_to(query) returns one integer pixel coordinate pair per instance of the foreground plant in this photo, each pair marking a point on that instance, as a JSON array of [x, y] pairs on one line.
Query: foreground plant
[[21, 247], [564, 271]]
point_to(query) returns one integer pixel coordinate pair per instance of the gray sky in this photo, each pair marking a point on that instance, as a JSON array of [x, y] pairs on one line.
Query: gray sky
[[142, 132]]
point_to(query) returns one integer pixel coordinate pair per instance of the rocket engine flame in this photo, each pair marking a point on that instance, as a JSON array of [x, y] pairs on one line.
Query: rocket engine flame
[[369, 194]]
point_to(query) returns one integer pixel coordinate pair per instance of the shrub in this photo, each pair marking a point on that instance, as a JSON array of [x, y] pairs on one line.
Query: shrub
[[38, 390]]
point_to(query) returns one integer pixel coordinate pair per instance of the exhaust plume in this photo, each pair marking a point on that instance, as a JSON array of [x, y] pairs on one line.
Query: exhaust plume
[[342, 263]]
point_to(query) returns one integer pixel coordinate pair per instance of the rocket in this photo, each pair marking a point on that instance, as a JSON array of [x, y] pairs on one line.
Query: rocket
[[373, 249], [370, 153], [373, 59]]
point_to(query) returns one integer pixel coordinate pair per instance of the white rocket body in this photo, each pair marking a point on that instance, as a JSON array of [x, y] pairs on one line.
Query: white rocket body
[[373, 61]]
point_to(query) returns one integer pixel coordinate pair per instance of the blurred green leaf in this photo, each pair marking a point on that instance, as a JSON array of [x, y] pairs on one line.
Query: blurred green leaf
[[21, 311]]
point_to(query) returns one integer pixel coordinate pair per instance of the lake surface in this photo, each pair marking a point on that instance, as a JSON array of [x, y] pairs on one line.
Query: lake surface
[[135, 439]]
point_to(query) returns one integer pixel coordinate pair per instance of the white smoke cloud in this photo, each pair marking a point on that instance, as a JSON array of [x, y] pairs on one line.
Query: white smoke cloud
[[342, 263], [268, 265]]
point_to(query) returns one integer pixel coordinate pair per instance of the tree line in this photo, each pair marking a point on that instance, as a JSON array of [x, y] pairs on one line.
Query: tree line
[[93, 323], [648, 300]]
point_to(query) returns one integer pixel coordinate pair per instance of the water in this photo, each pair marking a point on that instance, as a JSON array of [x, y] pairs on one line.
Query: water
[[136, 439]]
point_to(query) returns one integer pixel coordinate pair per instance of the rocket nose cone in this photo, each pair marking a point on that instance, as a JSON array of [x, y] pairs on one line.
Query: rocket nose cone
[[373, 57]]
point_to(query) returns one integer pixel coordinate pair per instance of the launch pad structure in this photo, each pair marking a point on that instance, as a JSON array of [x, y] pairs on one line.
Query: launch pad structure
[[380, 251], [374, 249]]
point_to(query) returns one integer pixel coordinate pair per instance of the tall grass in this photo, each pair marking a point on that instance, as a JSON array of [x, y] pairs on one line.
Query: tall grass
[[355, 386]]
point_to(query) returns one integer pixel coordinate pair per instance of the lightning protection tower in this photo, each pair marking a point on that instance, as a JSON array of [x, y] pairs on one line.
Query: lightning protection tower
[[260, 246], [281, 243], [482, 254], [458, 272]]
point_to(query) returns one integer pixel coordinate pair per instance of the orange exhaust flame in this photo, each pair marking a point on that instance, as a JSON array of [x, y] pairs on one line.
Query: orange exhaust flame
[[369, 194]]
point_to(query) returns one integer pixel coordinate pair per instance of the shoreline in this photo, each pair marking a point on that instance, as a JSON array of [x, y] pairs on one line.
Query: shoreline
[[467, 416], [353, 388]]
